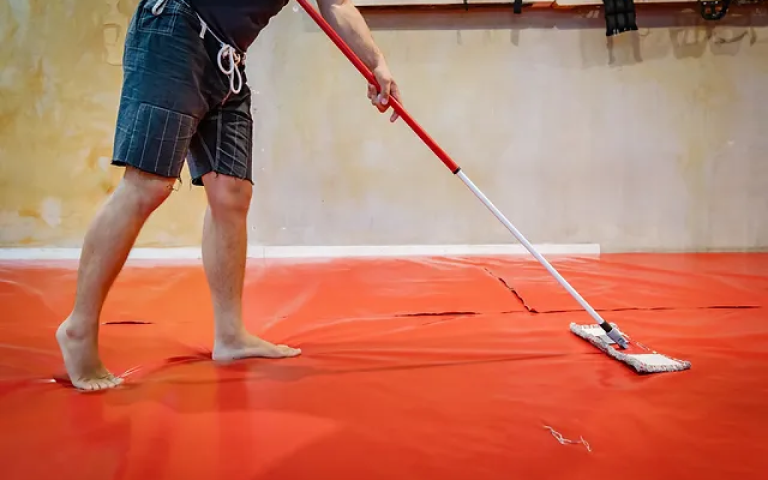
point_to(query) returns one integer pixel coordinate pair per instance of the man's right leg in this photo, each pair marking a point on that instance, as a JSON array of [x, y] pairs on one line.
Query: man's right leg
[[105, 250], [165, 92]]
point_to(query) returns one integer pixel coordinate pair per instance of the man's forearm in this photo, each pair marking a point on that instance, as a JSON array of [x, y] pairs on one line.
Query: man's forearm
[[347, 21]]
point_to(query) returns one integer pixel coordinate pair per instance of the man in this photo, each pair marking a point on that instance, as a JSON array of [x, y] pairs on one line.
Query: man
[[184, 97]]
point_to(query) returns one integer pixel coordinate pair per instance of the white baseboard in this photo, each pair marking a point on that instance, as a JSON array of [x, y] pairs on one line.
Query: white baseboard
[[194, 253], [417, 251]]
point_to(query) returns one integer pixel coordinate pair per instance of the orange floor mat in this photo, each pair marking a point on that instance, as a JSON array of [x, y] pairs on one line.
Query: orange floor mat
[[412, 369], [641, 281]]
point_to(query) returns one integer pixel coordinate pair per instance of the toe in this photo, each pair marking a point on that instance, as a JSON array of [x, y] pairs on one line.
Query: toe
[[110, 381], [95, 384], [289, 351], [85, 385], [103, 383]]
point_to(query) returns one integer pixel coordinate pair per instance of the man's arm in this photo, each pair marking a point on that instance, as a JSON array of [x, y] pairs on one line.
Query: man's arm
[[347, 21]]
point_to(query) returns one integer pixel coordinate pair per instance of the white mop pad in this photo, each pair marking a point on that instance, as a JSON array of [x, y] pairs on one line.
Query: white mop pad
[[637, 356]]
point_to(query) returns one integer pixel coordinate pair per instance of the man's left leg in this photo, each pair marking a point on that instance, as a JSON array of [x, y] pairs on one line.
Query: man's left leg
[[220, 159], [224, 257]]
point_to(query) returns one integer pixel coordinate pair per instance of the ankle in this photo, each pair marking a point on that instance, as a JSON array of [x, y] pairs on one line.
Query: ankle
[[229, 336], [79, 328]]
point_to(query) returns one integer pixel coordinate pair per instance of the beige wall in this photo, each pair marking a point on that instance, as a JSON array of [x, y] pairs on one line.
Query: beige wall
[[654, 140], [59, 88]]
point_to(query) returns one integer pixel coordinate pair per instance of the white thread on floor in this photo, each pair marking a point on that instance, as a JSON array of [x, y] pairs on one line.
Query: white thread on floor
[[563, 441]]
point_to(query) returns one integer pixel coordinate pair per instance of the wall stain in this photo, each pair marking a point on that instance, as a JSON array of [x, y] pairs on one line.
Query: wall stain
[[115, 29], [29, 213]]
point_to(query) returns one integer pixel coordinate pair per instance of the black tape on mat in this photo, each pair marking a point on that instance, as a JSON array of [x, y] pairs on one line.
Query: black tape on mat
[[619, 16]]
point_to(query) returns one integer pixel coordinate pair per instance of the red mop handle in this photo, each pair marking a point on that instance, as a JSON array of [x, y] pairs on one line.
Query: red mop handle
[[366, 72], [613, 333]]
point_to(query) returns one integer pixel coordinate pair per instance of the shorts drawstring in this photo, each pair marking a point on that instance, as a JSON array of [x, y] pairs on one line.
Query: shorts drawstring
[[232, 72], [157, 9], [226, 52]]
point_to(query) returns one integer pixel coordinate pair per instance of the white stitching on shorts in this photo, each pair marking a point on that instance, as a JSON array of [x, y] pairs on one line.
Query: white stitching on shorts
[[146, 135], [173, 150], [162, 140], [242, 145], [218, 141], [234, 144], [211, 160], [133, 131]]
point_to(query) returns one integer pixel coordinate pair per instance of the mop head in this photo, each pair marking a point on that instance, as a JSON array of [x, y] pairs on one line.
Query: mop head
[[637, 356]]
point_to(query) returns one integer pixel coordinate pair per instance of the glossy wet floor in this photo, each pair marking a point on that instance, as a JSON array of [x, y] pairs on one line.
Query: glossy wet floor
[[412, 369]]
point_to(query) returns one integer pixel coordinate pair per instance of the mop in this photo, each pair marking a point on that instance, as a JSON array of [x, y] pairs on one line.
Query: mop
[[605, 336]]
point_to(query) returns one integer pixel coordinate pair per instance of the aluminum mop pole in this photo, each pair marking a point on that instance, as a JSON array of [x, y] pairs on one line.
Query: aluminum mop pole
[[612, 332]]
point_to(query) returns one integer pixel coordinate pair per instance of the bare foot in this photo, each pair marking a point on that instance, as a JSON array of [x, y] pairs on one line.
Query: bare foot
[[249, 346], [81, 359]]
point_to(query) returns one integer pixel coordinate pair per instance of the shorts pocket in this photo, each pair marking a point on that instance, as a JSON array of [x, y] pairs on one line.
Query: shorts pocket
[[163, 22], [157, 139]]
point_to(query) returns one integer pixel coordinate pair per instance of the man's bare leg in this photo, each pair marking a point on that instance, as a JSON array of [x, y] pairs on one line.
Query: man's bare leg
[[224, 256], [106, 247]]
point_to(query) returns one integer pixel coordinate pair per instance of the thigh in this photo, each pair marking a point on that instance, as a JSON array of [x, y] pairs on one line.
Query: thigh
[[167, 88], [223, 142]]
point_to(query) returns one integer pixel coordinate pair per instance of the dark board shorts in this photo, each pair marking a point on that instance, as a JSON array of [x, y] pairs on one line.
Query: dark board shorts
[[176, 103]]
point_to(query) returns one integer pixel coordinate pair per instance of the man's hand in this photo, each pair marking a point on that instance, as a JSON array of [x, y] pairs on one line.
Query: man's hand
[[346, 20], [388, 88]]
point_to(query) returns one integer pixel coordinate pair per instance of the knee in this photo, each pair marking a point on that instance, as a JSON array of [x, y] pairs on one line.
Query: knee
[[228, 195], [144, 191]]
